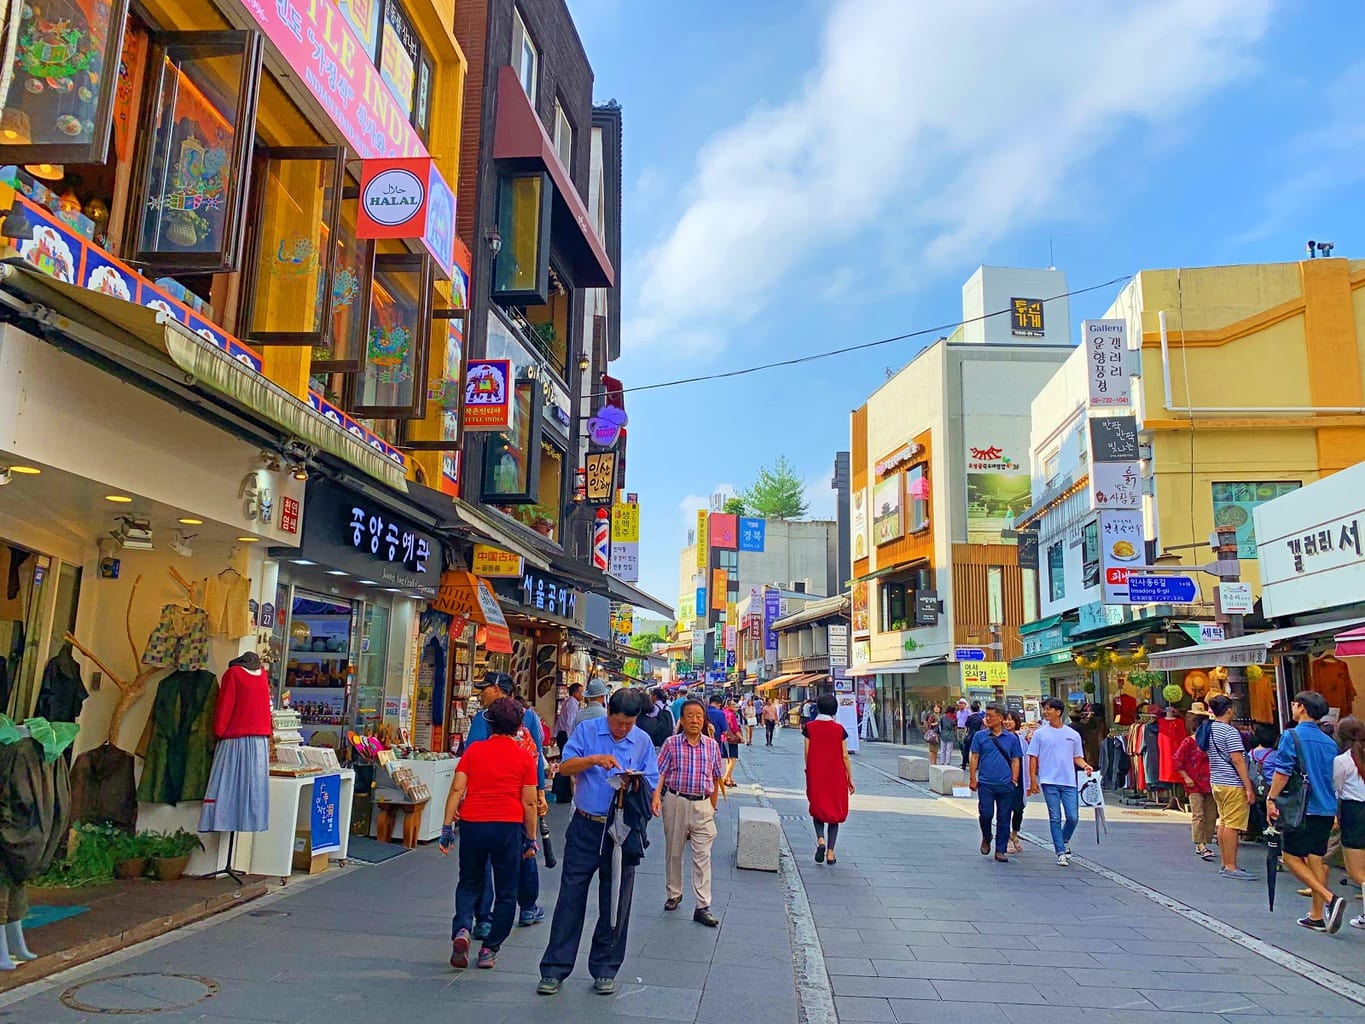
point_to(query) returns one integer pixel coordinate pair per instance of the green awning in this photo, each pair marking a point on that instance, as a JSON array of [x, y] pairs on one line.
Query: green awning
[[1039, 625], [1057, 657]]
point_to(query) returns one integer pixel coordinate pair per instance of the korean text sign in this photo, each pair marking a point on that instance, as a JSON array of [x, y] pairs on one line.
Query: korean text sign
[[1106, 363], [1122, 545], [752, 534]]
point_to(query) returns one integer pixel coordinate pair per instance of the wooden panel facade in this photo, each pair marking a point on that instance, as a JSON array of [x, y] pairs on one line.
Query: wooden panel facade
[[971, 596]]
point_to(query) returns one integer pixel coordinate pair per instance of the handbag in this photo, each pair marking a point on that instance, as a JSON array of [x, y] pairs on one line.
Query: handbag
[[1292, 803]]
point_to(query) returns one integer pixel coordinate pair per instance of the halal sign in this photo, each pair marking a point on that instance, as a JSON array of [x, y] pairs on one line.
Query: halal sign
[[393, 197]]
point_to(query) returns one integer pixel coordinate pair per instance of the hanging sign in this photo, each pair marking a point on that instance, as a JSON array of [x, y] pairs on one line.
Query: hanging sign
[[1106, 362], [493, 562], [605, 429], [703, 547], [752, 534], [600, 478], [488, 394], [406, 197]]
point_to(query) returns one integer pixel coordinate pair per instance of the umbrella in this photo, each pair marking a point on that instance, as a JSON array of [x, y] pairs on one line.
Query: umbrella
[[1272, 861], [1092, 795], [618, 831], [545, 844]]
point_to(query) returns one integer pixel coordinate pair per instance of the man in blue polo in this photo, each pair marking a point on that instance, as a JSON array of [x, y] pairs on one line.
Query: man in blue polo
[[598, 749]]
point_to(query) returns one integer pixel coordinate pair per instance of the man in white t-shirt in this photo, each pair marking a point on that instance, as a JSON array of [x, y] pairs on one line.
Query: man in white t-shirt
[[1054, 755]]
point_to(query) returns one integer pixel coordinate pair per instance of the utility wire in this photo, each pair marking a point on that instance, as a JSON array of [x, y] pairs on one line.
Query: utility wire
[[852, 348]]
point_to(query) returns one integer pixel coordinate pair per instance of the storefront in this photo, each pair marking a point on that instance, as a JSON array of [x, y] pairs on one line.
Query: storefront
[[541, 608], [895, 693]]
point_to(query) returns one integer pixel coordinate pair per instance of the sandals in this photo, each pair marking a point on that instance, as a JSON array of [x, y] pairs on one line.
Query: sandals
[[830, 858], [1205, 854], [819, 853], [1014, 846]]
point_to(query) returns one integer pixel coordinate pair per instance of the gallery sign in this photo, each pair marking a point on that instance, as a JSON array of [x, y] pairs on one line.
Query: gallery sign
[[488, 394], [1106, 363], [1311, 547]]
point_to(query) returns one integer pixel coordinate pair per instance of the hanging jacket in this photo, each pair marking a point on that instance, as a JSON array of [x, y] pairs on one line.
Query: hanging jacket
[[178, 741], [62, 693], [102, 788], [1113, 762]]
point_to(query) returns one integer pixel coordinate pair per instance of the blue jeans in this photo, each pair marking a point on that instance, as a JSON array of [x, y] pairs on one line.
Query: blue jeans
[[1059, 799], [528, 889], [587, 852], [995, 800], [482, 843]]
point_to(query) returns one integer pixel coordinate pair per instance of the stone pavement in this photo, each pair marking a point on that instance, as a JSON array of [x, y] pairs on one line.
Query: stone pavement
[[916, 926], [370, 945]]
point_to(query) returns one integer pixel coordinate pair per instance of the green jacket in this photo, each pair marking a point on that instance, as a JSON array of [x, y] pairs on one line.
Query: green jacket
[[178, 742]]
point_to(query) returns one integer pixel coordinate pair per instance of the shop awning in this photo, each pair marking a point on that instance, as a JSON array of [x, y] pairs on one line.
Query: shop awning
[[1351, 644], [1058, 657], [878, 668], [1253, 649], [464, 595], [811, 679], [773, 684], [480, 523], [152, 342]]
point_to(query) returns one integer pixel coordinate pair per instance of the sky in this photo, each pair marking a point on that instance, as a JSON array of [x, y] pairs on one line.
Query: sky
[[803, 175]]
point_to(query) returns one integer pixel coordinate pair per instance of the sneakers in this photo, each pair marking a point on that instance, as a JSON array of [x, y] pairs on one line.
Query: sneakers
[[548, 986], [604, 986], [1237, 873], [488, 958], [1335, 913], [533, 916], [1068, 849], [459, 950], [1311, 925], [481, 929], [1358, 922], [985, 847], [1063, 861]]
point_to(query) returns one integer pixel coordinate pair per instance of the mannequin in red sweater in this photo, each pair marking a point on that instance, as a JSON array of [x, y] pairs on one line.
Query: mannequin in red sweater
[[238, 797]]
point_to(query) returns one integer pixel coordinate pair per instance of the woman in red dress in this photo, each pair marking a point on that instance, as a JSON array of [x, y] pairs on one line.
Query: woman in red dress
[[829, 775]]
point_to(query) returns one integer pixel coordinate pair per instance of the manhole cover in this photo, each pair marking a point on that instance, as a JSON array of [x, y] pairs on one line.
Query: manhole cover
[[139, 993], [268, 913]]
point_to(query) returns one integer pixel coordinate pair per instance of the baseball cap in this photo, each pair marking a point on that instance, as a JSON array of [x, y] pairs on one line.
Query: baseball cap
[[499, 679]]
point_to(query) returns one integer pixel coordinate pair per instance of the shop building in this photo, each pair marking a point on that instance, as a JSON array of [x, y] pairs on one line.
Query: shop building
[[812, 652], [939, 478]]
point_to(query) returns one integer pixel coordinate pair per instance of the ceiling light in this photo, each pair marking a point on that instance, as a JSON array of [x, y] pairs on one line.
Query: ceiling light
[[118, 499], [25, 470], [337, 572], [248, 540], [187, 521], [369, 583], [48, 172], [303, 561], [300, 472], [392, 590]]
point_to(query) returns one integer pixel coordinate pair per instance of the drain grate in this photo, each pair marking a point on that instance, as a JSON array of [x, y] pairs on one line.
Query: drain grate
[[149, 992]]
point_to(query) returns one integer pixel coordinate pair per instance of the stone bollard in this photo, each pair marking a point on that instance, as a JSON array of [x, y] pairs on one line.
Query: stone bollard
[[943, 777], [913, 769], [758, 844]]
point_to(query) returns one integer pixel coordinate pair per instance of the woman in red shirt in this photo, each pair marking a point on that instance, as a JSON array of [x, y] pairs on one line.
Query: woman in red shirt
[[1192, 763], [494, 799], [829, 775]]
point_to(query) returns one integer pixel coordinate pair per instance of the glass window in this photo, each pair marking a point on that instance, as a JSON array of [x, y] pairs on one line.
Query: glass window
[[1090, 555], [363, 16], [1050, 464], [393, 381], [525, 57], [893, 603], [917, 496], [511, 459], [563, 138], [995, 593], [291, 291], [1030, 594], [340, 348], [194, 161], [1056, 570], [400, 53], [58, 102], [522, 268], [421, 109]]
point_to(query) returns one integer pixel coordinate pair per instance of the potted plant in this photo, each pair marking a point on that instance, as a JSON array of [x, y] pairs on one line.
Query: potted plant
[[171, 851], [130, 854]]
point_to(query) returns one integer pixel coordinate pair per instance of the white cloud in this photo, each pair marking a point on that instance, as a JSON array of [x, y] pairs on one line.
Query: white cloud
[[690, 504], [927, 131], [821, 501]]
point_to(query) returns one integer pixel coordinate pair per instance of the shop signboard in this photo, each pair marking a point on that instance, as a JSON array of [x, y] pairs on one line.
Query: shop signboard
[[546, 595], [985, 675], [720, 589], [1311, 547], [861, 608], [1235, 501], [406, 197], [1045, 641], [491, 562], [860, 652], [703, 548], [488, 395], [724, 530], [1116, 485], [1027, 318], [752, 534], [926, 608], [1096, 615], [1106, 361], [1234, 598], [324, 827], [600, 477], [349, 531], [1122, 545], [1113, 439], [1211, 632], [1028, 549], [837, 637], [606, 427], [857, 502], [625, 541], [730, 632], [772, 611], [886, 510]]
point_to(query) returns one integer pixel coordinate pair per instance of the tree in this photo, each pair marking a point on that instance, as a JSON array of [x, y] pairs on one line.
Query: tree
[[777, 493], [644, 643], [735, 507]]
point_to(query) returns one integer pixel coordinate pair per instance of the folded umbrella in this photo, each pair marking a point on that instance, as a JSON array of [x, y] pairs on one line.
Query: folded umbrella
[[1272, 861]]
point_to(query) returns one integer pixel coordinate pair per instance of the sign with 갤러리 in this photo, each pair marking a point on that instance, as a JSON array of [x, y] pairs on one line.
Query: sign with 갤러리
[[1106, 363]]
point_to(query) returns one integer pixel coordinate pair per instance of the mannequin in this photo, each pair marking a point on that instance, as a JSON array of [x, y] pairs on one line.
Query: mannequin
[[238, 796]]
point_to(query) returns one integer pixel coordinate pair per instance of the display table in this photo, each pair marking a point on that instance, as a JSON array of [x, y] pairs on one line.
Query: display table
[[439, 776], [272, 852]]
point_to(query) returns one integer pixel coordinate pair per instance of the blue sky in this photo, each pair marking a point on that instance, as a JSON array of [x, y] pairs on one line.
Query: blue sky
[[800, 176]]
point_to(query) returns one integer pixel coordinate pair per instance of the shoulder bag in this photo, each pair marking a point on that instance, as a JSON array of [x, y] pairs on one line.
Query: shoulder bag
[[1292, 803]]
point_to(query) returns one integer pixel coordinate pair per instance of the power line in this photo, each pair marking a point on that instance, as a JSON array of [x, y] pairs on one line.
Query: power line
[[854, 348]]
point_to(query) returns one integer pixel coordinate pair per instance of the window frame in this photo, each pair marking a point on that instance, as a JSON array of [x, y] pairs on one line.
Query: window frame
[[264, 155], [1056, 584], [424, 266], [530, 496], [522, 35], [562, 118], [539, 294]]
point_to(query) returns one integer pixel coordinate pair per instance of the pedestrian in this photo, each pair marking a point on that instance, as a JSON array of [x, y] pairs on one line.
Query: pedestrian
[[976, 721], [1307, 750], [594, 705], [1232, 789], [829, 775], [1192, 762], [771, 714], [1348, 781], [994, 767], [931, 733], [1262, 768], [493, 798], [493, 687], [690, 770], [733, 737], [1014, 723], [657, 721], [750, 719], [599, 751], [568, 713], [1054, 756]]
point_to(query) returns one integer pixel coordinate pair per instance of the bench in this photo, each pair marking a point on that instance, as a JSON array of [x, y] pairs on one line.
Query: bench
[[943, 777], [412, 820], [913, 769], [759, 839]]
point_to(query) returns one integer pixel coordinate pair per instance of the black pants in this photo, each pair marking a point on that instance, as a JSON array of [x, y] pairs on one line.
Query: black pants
[[587, 852], [482, 843], [770, 728]]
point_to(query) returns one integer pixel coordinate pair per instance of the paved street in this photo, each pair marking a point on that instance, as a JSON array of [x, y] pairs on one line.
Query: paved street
[[912, 924]]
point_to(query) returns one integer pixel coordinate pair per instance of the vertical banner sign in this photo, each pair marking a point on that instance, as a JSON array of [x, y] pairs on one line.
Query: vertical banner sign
[[723, 529], [772, 611], [720, 585], [324, 831], [703, 546], [838, 653], [858, 517], [1115, 473], [1121, 546], [1106, 362], [625, 541], [752, 534]]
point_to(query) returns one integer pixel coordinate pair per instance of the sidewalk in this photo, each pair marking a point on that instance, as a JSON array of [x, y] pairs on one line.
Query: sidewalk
[[371, 945], [1153, 848]]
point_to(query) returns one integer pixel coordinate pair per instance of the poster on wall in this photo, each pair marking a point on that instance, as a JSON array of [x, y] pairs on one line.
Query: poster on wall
[[1233, 504], [858, 517], [886, 510], [999, 491], [862, 612], [1122, 545]]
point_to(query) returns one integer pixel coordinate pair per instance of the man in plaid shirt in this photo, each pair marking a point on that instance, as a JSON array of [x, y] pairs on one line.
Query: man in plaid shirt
[[690, 769]]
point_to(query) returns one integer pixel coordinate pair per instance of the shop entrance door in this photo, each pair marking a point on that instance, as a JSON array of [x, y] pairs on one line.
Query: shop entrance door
[[318, 665]]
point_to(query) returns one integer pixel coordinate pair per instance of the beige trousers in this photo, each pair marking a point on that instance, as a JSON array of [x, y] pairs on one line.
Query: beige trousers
[[1203, 814], [684, 821]]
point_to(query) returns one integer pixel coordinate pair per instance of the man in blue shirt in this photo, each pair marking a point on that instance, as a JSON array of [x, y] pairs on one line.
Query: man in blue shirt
[[995, 762], [598, 749], [494, 686], [715, 714], [1305, 848]]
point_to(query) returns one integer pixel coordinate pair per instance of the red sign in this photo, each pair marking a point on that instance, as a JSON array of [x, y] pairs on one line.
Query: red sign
[[724, 530], [1116, 577], [488, 394], [393, 197], [289, 515]]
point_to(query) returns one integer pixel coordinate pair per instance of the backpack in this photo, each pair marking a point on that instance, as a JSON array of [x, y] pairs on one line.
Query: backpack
[[527, 742], [657, 727], [1258, 782]]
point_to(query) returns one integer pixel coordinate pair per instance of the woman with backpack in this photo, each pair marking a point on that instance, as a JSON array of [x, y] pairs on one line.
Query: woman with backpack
[[1348, 778]]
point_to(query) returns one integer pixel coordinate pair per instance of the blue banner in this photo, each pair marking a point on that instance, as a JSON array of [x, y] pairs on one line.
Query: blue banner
[[772, 611], [326, 828], [752, 534]]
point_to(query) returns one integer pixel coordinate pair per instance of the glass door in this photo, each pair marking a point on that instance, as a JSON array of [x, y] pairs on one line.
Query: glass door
[[374, 649], [318, 665]]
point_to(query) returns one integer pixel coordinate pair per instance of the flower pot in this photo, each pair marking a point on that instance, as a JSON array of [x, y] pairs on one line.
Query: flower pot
[[133, 867], [168, 869]]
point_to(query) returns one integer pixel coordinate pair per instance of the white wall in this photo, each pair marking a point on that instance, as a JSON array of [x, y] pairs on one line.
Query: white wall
[[793, 550], [990, 290]]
